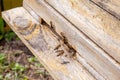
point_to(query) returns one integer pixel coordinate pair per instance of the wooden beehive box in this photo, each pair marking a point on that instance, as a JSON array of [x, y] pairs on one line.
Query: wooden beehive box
[[73, 39]]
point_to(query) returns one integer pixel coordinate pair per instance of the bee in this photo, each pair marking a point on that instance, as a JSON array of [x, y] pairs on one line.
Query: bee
[[65, 62], [57, 47], [63, 44], [59, 52]]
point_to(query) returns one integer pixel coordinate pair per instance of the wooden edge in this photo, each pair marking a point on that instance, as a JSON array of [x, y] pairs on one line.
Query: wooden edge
[[112, 7], [39, 39], [78, 57], [90, 52], [97, 24]]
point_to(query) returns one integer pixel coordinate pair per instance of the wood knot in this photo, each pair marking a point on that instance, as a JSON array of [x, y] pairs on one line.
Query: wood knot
[[21, 22]]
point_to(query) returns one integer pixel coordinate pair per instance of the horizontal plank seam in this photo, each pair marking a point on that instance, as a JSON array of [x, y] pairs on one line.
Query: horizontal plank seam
[[77, 52], [110, 11], [27, 44], [96, 77], [84, 34]]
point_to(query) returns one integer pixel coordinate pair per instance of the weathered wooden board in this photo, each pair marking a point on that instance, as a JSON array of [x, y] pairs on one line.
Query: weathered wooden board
[[96, 58], [111, 6], [79, 58], [96, 23], [42, 42]]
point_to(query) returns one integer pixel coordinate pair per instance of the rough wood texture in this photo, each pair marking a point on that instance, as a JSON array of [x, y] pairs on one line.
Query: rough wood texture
[[89, 19], [96, 23], [42, 41], [111, 6], [78, 57]]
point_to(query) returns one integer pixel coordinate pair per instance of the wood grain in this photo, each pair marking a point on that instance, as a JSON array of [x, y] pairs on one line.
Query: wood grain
[[111, 6], [95, 57], [79, 58], [97, 24], [42, 41]]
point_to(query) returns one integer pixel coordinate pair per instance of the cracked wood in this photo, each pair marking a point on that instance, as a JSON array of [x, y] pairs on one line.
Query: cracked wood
[[42, 42], [83, 25]]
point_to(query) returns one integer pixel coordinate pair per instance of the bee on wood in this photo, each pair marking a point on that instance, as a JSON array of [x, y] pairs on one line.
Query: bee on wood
[[57, 47], [65, 62], [63, 44], [59, 52]]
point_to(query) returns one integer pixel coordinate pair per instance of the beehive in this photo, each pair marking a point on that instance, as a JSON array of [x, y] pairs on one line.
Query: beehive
[[73, 39]]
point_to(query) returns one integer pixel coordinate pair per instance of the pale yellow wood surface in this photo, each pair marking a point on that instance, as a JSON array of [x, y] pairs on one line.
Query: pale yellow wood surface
[[79, 58], [42, 41], [96, 58], [111, 6], [96, 23]]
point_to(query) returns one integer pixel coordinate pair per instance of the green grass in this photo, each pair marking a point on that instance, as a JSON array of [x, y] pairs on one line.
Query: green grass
[[15, 71], [1, 28], [9, 35], [16, 68]]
